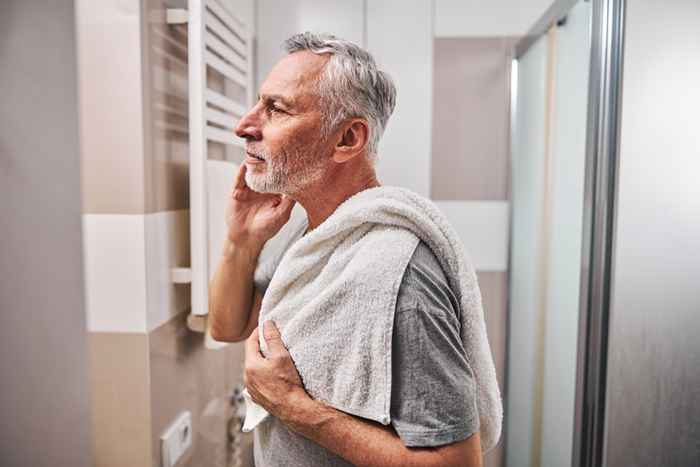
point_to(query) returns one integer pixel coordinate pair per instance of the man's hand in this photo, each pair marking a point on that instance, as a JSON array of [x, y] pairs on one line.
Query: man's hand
[[273, 381], [252, 217]]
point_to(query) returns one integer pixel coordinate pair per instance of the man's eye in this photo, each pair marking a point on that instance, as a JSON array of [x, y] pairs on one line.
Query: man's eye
[[275, 109]]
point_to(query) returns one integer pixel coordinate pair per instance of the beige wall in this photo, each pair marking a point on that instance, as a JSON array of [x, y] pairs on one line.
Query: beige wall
[[471, 118], [44, 409], [111, 124], [121, 414], [186, 375]]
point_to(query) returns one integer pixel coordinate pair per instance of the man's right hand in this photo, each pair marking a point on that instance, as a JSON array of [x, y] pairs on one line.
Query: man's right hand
[[253, 218]]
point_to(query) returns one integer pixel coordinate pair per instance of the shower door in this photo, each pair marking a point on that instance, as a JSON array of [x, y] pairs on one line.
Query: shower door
[[548, 171]]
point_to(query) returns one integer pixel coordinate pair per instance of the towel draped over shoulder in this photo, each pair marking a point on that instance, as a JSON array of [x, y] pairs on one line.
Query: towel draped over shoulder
[[333, 297]]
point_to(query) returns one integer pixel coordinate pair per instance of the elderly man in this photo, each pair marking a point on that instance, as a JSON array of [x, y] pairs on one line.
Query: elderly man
[[312, 138]]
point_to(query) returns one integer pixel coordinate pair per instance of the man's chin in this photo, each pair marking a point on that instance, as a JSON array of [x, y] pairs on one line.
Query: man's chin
[[261, 185]]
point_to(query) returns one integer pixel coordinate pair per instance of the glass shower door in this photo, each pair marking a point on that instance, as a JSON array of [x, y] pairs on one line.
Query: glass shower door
[[549, 135]]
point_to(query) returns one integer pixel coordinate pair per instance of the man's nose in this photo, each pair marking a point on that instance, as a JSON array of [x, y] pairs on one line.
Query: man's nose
[[248, 126]]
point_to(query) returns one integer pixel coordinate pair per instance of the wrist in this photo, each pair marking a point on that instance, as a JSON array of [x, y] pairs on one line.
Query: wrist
[[304, 415], [249, 251]]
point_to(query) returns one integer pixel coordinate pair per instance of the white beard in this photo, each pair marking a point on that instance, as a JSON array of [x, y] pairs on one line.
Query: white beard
[[276, 175]]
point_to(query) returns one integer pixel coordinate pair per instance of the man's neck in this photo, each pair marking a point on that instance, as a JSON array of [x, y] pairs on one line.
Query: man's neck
[[322, 199]]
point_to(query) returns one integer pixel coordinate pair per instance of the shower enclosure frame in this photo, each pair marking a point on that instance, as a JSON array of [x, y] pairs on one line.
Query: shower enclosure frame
[[599, 214]]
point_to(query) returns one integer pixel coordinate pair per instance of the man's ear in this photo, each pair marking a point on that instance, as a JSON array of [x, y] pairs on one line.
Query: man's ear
[[352, 141]]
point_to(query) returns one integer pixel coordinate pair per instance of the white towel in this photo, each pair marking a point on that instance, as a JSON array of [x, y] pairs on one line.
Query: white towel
[[333, 297]]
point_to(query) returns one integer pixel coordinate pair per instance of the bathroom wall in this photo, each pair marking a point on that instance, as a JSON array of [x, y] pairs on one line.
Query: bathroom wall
[[146, 365], [44, 396], [495, 18]]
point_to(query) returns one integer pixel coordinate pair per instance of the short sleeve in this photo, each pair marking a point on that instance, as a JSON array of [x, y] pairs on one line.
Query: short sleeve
[[433, 397]]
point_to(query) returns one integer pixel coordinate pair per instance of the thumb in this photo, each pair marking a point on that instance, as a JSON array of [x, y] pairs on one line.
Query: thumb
[[273, 338]]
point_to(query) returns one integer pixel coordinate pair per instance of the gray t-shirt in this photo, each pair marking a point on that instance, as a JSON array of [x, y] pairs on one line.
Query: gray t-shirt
[[433, 394]]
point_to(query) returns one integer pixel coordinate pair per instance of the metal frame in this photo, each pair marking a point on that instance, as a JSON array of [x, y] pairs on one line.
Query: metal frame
[[602, 147], [555, 13], [515, 69]]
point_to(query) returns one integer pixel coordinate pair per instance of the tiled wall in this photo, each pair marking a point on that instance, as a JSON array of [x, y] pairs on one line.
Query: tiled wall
[[146, 366]]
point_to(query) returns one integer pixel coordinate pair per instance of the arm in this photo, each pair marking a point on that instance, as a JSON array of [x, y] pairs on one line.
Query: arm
[[367, 443], [252, 218], [275, 384], [234, 302]]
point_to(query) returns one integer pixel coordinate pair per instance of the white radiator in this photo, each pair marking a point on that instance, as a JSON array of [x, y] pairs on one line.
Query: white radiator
[[217, 41]]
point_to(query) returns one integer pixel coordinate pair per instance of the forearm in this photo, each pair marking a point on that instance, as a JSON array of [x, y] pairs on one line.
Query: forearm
[[359, 441], [231, 291]]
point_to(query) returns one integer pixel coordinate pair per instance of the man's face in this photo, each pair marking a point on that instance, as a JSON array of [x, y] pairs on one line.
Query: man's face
[[284, 128]]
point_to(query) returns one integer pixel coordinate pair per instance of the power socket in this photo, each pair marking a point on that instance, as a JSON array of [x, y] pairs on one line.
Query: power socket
[[176, 439]]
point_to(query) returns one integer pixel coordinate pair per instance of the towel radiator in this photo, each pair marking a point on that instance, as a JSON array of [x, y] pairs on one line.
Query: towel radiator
[[218, 41]]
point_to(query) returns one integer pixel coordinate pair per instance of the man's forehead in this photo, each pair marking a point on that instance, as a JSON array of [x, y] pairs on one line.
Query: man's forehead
[[291, 77]]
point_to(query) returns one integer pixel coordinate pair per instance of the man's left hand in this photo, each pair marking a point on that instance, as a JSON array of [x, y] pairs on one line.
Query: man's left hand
[[273, 381]]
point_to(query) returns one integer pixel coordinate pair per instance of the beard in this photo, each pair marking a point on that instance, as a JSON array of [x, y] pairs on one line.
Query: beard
[[286, 172]]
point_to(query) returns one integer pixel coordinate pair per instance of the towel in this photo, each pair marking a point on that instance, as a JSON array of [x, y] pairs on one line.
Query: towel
[[333, 297]]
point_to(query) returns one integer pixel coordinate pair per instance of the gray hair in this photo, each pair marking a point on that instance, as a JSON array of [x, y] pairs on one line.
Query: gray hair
[[350, 85]]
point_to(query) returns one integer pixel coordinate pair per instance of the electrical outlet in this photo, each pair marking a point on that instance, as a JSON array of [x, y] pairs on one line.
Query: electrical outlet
[[176, 439]]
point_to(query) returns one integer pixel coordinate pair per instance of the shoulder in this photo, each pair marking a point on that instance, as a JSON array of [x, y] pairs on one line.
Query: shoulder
[[433, 388], [424, 282]]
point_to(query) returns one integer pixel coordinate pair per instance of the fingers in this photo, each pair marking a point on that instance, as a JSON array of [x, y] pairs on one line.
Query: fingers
[[252, 348], [273, 338], [240, 177]]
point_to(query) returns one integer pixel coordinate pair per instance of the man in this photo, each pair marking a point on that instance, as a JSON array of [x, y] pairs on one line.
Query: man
[[312, 138]]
